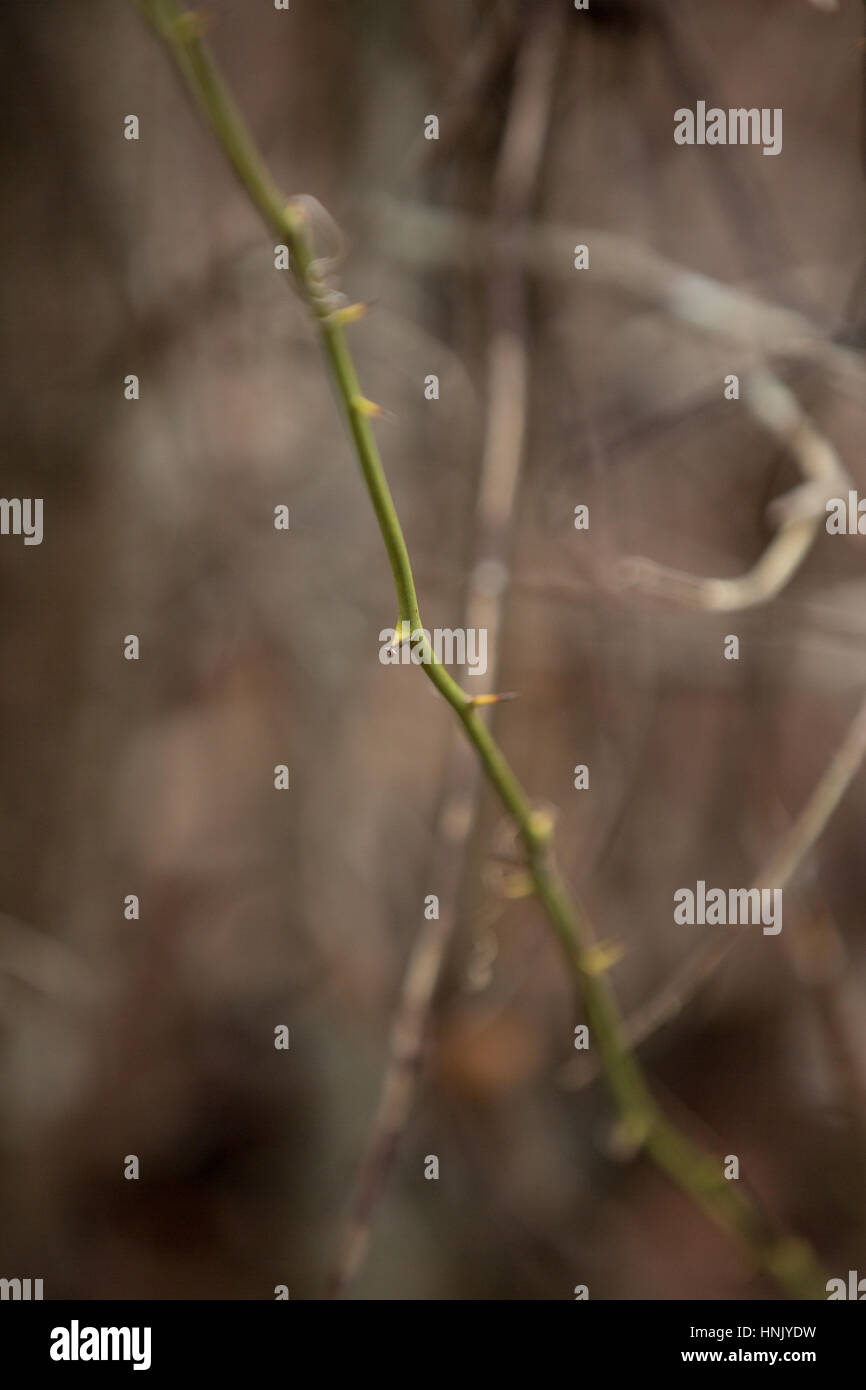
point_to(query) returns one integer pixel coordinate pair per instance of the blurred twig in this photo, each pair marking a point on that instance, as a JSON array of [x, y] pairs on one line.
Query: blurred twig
[[470, 86], [800, 839], [800, 513], [715, 308], [823, 966], [43, 963], [506, 421], [425, 236]]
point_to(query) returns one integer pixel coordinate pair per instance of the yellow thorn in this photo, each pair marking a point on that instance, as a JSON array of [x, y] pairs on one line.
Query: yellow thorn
[[518, 885], [477, 701], [370, 409], [192, 25], [602, 957], [542, 823], [352, 313], [294, 214], [628, 1137]]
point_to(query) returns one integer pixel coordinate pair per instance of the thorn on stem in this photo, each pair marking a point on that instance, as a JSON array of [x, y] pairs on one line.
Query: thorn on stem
[[352, 313], [518, 885], [602, 956], [369, 409], [192, 25], [542, 824], [476, 701]]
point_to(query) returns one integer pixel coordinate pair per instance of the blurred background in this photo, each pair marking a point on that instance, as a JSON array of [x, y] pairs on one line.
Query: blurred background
[[557, 388]]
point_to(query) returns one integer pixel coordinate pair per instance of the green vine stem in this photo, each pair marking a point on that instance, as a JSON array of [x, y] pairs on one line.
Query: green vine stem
[[786, 1258]]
